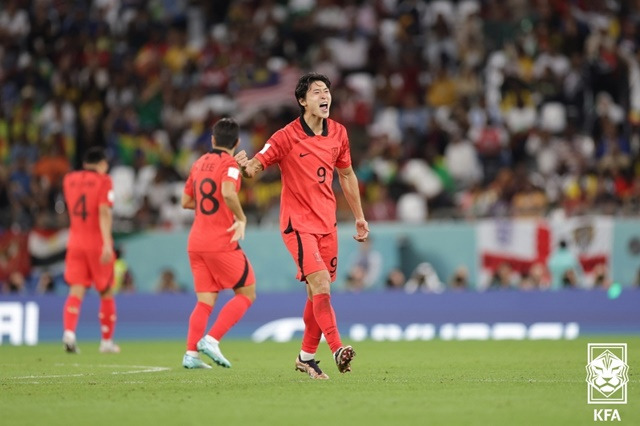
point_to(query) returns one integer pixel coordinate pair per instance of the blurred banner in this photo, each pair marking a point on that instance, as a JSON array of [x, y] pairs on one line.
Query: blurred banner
[[47, 249], [389, 316], [275, 91], [525, 242]]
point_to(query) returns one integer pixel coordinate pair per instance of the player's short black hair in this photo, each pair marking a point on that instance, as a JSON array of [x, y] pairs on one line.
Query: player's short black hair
[[94, 155], [226, 132], [305, 81]]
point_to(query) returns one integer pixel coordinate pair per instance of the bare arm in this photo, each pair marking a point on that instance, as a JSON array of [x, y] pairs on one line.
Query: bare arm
[[106, 222], [230, 197], [349, 184], [188, 202], [249, 168]]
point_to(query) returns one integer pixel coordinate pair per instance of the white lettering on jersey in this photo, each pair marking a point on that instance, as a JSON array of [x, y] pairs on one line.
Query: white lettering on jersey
[[265, 148], [233, 173]]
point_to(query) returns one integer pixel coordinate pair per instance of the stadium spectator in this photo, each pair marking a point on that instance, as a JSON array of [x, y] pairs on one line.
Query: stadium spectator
[[460, 279], [528, 201], [308, 210], [167, 282], [491, 141], [600, 277], [6, 206], [570, 279], [395, 280], [14, 22], [122, 276], [536, 278], [461, 159], [564, 267], [424, 279], [217, 262], [505, 277], [46, 284], [89, 259], [364, 268], [15, 284]]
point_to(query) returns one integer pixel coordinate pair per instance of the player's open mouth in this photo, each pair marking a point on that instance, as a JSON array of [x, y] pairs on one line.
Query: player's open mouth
[[324, 106]]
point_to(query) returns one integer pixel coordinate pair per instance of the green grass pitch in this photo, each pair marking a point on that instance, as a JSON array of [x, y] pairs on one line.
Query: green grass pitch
[[393, 383]]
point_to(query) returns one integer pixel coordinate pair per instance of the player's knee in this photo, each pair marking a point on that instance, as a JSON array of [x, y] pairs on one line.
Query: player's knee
[[251, 296], [107, 293], [320, 283], [77, 291], [249, 292], [323, 288]]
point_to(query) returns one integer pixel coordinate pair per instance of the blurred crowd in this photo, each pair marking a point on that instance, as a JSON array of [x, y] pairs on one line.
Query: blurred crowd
[[455, 109]]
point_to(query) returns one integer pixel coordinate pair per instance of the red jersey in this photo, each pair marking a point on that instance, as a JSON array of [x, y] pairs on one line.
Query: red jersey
[[213, 216], [307, 161], [84, 192]]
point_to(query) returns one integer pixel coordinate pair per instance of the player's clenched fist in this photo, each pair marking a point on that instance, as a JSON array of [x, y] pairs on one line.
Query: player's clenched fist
[[242, 159], [249, 168]]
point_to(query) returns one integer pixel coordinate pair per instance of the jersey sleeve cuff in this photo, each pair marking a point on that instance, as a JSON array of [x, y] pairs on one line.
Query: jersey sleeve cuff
[[262, 161]]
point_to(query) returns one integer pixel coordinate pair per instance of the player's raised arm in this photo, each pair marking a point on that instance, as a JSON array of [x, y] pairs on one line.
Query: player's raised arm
[[249, 168], [349, 184]]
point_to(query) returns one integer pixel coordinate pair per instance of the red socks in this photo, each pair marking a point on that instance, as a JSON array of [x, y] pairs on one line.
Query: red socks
[[229, 315], [107, 317], [71, 313], [326, 319], [197, 324], [312, 332]]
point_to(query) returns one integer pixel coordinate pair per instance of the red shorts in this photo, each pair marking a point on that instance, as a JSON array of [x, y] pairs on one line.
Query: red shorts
[[215, 271], [313, 252], [84, 267]]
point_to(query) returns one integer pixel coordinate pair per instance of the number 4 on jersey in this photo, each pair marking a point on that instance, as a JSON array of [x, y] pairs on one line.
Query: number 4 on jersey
[[80, 207]]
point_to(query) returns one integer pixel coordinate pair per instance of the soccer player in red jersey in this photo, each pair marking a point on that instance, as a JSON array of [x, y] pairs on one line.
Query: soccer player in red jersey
[[216, 259], [90, 257], [308, 150]]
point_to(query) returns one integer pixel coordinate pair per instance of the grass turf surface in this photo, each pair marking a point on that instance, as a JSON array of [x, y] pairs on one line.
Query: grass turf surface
[[392, 383]]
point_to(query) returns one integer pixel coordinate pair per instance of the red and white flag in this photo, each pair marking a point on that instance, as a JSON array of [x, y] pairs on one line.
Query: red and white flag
[[520, 243], [524, 242], [591, 238]]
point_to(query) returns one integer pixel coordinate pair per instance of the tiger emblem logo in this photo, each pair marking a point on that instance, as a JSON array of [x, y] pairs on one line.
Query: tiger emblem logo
[[607, 373]]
